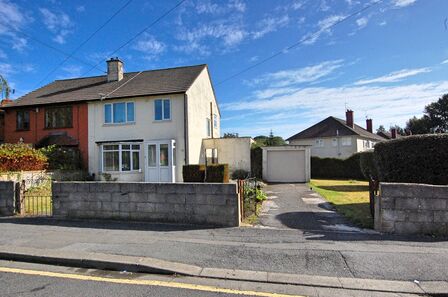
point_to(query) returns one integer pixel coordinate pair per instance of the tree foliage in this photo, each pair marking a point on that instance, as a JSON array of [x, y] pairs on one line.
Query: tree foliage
[[434, 120]]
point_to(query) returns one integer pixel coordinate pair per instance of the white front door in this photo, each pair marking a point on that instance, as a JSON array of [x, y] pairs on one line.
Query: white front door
[[160, 161]]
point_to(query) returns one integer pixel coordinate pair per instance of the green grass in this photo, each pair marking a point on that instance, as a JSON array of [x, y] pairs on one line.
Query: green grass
[[349, 197], [38, 200]]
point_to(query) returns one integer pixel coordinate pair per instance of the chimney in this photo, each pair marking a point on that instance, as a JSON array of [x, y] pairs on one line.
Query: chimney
[[393, 133], [5, 101], [114, 69], [369, 126], [349, 118]]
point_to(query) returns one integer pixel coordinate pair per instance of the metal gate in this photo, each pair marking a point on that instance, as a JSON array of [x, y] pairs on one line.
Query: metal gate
[[34, 202]]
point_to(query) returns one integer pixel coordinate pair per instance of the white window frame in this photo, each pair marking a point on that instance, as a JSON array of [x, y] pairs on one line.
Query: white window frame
[[112, 113], [345, 142], [120, 152], [163, 110], [215, 121], [319, 142]]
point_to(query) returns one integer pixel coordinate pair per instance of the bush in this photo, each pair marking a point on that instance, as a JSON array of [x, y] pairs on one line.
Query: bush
[[216, 173], [256, 162], [62, 158], [336, 168], [21, 157], [414, 159], [368, 166], [240, 174], [193, 173]]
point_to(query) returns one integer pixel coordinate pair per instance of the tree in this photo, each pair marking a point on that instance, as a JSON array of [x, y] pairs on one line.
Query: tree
[[419, 125], [381, 129], [400, 131], [270, 140], [5, 89], [231, 135], [437, 112]]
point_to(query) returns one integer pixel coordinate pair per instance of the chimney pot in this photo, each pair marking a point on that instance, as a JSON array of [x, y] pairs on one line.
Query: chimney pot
[[114, 69], [349, 118], [393, 133], [369, 125]]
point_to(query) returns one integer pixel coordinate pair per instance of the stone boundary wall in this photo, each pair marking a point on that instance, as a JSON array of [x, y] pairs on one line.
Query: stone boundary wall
[[412, 209], [190, 203], [7, 198]]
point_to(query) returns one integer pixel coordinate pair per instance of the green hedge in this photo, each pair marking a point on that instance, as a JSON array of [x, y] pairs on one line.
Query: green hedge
[[256, 162], [216, 173], [336, 168], [368, 166], [414, 159], [62, 158]]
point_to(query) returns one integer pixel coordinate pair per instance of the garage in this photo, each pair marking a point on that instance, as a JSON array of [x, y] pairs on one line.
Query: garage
[[286, 164]]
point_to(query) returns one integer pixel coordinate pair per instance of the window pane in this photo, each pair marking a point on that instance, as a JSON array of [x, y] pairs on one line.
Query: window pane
[[110, 147], [136, 147], [119, 113], [125, 147], [58, 117], [126, 161], [164, 159], [130, 111], [166, 110], [108, 113], [110, 161], [158, 110], [152, 155], [135, 160], [215, 121]]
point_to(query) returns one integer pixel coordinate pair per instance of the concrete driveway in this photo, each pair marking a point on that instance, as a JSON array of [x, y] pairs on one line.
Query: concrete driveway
[[296, 206]]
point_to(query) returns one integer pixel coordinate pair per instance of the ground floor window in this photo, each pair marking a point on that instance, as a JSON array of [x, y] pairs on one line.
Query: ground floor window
[[121, 157]]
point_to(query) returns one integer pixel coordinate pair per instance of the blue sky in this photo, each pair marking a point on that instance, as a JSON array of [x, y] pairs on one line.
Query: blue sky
[[385, 63]]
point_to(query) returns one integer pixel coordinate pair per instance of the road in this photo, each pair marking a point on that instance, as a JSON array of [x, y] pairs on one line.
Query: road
[[22, 279]]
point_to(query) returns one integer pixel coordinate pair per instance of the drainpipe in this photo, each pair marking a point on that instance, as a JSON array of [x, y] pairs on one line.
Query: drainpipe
[[187, 161]]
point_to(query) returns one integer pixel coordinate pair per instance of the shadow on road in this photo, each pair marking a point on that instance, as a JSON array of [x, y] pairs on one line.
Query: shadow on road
[[104, 224]]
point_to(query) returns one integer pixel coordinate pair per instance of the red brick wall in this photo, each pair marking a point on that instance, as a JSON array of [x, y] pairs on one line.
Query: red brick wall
[[38, 131], [2, 126]]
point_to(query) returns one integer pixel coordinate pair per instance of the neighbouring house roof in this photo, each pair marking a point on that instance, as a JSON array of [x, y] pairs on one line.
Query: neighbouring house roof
[[387, 135], [57, 139], [331, 127], [133, 84]]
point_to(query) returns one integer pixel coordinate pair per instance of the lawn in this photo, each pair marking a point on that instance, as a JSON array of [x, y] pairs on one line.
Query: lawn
[[38, 200], [349, 197]]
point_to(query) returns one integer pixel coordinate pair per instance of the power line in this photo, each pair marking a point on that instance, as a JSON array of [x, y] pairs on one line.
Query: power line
[[85, 41], [139, 33], [301, 41]]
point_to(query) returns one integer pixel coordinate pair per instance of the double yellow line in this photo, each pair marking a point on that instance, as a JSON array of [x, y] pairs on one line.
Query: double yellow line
[[142, 282]]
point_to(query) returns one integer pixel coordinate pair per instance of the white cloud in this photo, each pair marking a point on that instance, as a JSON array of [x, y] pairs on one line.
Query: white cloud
[[58, 23], [362, 22], [300, 75], [71, 71], [12, 18], [324, 27], [270, 24], [324, 5], [80, 8], [6, 69], [298, 4], [150, 45], [237, 5], [394, 76], [210, 7], [445, 62], [403, 3], [383, 23]]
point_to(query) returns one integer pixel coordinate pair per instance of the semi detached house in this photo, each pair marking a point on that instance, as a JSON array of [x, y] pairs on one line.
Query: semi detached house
[[136, 126]]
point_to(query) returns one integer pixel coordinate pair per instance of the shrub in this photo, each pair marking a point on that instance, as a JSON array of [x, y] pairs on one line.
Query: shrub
[[368, 166], [62, 158], [413, 159], [21, 157], [217, 173], [193, 173], [240, 174], [336, 168], [256, 162]]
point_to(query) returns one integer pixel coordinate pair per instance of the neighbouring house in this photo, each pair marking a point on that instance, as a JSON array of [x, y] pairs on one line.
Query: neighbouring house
[[135, 126], [2, 126], [389, 135], [336, 138]]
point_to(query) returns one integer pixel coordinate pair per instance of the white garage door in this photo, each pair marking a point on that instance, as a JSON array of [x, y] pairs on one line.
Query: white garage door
[[285, 166]]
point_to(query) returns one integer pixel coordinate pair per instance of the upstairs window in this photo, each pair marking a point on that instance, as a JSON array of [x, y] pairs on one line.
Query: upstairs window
[[319, 142], [346, 141], [162, 109], [119, 113], [215, 121], [23, 120], [58, 117]]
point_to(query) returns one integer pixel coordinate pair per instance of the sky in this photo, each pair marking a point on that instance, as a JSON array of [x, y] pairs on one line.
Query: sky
[[385, 63]]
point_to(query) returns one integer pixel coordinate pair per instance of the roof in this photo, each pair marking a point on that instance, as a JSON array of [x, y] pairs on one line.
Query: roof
[[387, 135], [133, 84], [331, 127]]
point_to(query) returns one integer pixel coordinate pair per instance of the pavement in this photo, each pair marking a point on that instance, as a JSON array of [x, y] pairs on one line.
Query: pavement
[[313, 246]]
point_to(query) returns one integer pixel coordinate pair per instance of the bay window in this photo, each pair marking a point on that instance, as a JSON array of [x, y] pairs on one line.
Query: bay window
[[121, 157]]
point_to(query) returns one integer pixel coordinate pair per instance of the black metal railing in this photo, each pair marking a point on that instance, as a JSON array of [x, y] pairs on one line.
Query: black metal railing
[[38, 205]]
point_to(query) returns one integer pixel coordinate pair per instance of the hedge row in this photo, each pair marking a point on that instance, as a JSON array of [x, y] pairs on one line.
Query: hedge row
[[336, 168], [21, 157], [216, 173], [413, 159]]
